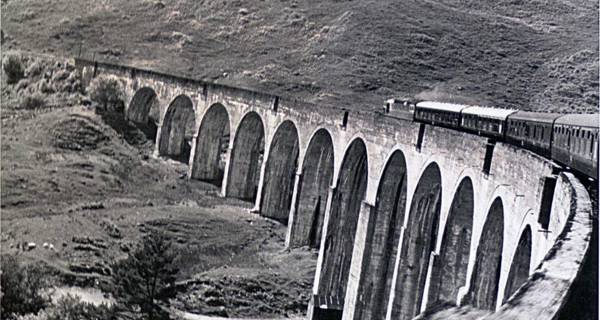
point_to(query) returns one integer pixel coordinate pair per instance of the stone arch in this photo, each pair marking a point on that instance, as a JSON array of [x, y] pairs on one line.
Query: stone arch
[[317, 174], [383, 235], [178, 129], [449, 271], [246, 158], [418, 243], [144, 111], [486, 272], [211, 145], [519, 269], [280, 171], [343, 219]]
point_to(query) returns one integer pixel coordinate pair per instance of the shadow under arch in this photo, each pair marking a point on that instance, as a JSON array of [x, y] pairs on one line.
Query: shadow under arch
[[519, 269], [178, 129], [483, 291], [246, 158], [280, 172], [383, 235], [317, 175], [343, 220], [449, 271], [144, 111], [418, 243], [211, 145]]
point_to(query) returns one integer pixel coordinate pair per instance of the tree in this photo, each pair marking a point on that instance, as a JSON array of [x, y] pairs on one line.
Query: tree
[[146, 277], [22, 288], [107, 92]]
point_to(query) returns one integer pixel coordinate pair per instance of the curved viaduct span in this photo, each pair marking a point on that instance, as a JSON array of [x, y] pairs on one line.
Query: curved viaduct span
[[404, 216]]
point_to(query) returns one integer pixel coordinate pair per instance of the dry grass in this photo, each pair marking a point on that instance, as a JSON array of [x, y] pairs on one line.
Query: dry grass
[[354, 53]]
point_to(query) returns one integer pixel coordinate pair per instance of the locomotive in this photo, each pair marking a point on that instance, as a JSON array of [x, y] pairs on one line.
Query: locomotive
[[569, 139]]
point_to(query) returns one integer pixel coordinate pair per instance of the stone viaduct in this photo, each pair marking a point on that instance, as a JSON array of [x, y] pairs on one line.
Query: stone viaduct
[[403, 215]]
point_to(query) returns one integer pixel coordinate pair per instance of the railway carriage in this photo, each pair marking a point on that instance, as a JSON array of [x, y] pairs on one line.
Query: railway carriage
[[575, 143], [531, 130], [439, 113], [571, 140], [484, 121]]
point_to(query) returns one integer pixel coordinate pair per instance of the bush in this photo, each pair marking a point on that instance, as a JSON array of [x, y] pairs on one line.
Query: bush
[[33, 101], [13, 68], [106, 91], [22, 288], [71, 307], [145, 277], [35, 68], [22, 84]]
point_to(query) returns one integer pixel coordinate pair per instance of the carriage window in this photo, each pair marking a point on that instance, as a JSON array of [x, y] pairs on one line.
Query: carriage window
[[521, 129]]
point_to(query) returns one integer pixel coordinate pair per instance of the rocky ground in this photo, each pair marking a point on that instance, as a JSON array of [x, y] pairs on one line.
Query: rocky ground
[[532, 55], [79, 190]]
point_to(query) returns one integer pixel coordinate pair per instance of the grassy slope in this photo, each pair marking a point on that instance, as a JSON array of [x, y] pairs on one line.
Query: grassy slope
[[536, 55]]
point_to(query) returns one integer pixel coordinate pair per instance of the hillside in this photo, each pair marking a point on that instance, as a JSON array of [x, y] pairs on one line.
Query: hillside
[[533, 55], [80, 190]]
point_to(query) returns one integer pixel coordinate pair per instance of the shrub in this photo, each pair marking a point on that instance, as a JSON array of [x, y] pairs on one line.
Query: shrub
[[22, 288], [106, 91], [33, 101], [146, 276], [45, 86], [35, 68], [71, 307], [13, 68], [22, 84]]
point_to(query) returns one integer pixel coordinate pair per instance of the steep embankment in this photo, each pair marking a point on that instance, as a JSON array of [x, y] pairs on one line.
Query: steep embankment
[[534, 55]]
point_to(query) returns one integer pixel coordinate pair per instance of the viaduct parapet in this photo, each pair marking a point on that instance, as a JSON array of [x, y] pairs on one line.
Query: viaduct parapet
[[404, 216]]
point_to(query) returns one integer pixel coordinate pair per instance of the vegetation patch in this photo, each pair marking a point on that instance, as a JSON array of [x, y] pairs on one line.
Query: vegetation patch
[[246, 296], [78, 134]]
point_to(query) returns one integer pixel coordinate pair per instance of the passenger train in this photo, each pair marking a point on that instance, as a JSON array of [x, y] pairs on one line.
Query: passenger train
[[569, 139]]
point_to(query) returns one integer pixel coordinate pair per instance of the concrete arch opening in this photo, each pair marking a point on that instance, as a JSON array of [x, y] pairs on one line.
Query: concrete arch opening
[[449, 271], [317, 175], [246, 158], [383, 235], [211, 146], [178, 130], [280, 172], [418, 243], [519, 269], [144, 111], [486, 272], [339, 241]]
